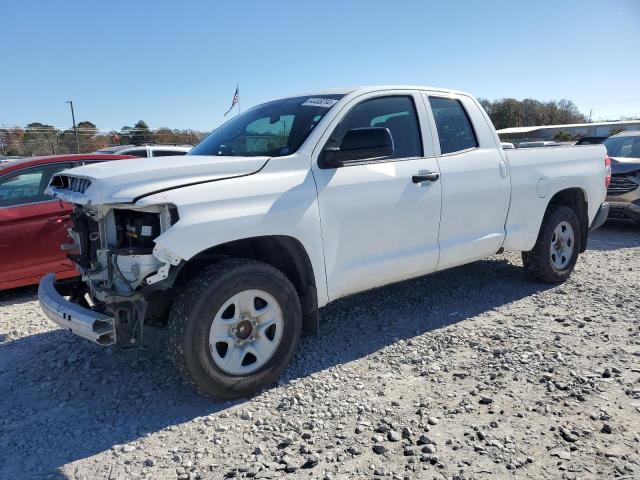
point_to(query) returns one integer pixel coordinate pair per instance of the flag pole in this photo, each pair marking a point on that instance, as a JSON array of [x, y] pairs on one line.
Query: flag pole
[[238, 100]]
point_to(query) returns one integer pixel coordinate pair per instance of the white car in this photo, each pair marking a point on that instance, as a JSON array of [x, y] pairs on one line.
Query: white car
[[148, 150], [301, 201]]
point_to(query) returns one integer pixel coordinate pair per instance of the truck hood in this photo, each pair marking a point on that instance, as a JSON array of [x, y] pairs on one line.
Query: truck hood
[[129, 180]]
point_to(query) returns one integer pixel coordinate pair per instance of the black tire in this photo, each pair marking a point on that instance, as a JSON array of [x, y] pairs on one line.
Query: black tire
[[192, 315], [538, 261]]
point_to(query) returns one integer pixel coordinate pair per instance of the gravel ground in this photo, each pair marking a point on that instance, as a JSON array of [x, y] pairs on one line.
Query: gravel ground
[[476, 372]]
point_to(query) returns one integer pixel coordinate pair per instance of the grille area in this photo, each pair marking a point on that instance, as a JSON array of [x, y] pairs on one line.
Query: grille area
[[621, 184], [69, 182]]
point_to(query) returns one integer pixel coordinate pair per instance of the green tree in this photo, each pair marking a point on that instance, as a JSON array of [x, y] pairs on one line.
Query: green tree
[[40, 139], [125, 135], [86, 135], [141, 133], [67, 141], [561, 136], [509, 112]]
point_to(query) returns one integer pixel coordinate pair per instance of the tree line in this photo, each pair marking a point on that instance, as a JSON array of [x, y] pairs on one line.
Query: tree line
[[41, 139], [509, 112]]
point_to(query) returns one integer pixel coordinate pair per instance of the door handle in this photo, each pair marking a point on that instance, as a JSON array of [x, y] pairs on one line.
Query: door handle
[[56, 219], [425, 177], [504, 171]]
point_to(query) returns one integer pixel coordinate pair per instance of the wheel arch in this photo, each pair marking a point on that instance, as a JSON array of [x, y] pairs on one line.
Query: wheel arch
[[575, 198], [283, 252]]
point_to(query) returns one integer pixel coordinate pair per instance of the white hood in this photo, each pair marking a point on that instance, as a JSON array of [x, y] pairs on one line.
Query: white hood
[[124, 181]]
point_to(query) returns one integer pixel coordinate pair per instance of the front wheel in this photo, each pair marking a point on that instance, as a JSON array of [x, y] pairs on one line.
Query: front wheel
[[555, 253], [234, 328]]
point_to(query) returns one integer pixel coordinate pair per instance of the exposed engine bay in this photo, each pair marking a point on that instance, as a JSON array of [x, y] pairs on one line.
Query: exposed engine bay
[[121, 266]]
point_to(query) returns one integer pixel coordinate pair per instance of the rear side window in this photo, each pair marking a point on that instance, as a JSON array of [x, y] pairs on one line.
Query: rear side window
[[398, 114], [167, 153], [455, 131], [136, 153]]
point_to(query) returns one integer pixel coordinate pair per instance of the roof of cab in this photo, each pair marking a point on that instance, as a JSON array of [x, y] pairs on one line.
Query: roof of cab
[[374, 88]]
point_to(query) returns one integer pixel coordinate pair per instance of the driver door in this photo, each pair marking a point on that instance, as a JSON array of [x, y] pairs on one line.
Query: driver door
[[378, 226]]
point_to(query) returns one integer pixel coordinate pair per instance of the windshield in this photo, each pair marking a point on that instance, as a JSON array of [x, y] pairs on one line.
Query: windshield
[[626, 146], [272, 129]]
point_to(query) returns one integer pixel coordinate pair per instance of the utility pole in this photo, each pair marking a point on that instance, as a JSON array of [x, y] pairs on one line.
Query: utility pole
[[75, 130]]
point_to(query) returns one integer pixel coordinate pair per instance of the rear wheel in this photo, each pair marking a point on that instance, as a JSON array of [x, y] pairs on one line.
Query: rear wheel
[[234, 328], [555, 253]]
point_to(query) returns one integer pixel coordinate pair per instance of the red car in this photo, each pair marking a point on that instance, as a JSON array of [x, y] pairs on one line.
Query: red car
[[33, 225]]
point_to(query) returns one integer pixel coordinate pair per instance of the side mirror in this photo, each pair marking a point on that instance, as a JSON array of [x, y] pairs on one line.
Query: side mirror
[[360, 144]]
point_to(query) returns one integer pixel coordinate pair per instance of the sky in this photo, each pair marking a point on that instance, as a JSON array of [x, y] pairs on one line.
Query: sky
[[177, 63]]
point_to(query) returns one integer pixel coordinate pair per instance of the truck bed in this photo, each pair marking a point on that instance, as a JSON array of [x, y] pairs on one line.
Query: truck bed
[[537, 174]]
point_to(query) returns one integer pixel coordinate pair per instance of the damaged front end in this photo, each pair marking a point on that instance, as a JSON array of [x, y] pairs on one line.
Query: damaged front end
[[121, 266]]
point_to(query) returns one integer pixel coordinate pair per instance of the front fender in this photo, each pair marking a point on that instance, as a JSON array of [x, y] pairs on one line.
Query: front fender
[[273, 202]]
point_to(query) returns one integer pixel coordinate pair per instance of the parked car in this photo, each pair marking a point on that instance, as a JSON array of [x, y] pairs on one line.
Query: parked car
[[301, 201], [147, 150], [623, 194], [32, 224]]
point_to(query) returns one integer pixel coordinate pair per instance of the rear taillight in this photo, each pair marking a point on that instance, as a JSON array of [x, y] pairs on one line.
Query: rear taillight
[[607, 171]]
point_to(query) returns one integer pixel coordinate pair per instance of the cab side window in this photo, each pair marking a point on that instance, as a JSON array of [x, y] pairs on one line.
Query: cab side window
[[455, 131], [397, 113]]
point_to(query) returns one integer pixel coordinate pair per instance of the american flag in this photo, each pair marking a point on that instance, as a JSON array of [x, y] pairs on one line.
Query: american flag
[[234, 102]]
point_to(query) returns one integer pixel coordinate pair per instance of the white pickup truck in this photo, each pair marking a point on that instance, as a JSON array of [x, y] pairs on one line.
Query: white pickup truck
[[298, 202]]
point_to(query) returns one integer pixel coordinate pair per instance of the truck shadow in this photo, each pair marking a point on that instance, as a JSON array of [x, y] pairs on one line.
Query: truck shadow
[[64, 399], [359, 325]]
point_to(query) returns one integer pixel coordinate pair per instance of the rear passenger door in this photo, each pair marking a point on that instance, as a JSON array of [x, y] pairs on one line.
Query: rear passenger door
[[474, 178], [378, 226]]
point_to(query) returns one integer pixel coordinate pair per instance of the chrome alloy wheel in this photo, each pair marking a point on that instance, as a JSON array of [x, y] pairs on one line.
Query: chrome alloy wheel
[[562, 245], [246, 332]]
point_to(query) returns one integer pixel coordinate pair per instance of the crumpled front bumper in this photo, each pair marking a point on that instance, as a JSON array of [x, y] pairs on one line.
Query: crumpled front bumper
[[86, 323]]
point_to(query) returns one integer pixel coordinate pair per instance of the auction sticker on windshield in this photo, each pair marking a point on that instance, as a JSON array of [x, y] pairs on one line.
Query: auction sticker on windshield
[[320, 102]]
